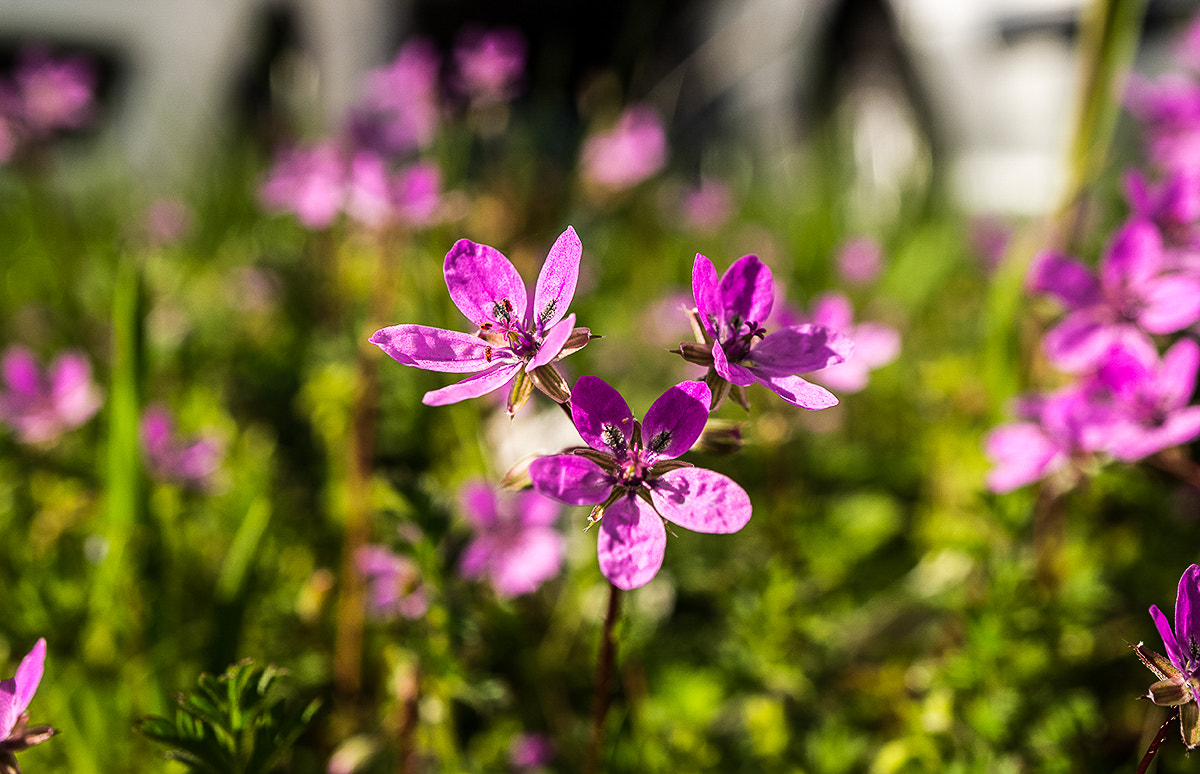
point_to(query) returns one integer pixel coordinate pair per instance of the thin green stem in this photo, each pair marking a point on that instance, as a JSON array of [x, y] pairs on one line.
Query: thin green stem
[[604, 670]]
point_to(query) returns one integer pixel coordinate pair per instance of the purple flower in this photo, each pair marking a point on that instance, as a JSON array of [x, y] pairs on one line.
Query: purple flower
[[630, 473], [400, 112], [1150, 399], [730, 313], [55, 93], [15, 694], [41, 406], [531, 751], [1133, 295], [859, 260], [1173, 205], [1169, 109], [188, 462], [518, 337], [394, 585], [515, 545], [1056, 430], [489, 64], [416, 193], [1179, 671], [875, 344], [307, 182], [630, 152]]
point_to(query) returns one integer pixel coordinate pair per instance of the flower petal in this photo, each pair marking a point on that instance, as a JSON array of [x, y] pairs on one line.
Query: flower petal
[[1134, 256], [799, 392], [1187, 616], [22, 373], [556, 282], [799, 349], [1021, 453], [1064, 277], [1177, 375], [484, 285], [1171, 303], [676, 420], [730, 372], [29, 675], [1168, 636], [570, 479], [473, 386], [478, 503], [533, 557], [75, 398], [553, 344], [601, 416], [536, 510], [706, 289], [631, 543], [748, 290], [701, 500], [435, 349]]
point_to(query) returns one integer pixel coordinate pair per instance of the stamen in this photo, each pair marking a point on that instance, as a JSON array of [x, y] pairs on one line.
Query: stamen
[[660, 441], [613, 437]]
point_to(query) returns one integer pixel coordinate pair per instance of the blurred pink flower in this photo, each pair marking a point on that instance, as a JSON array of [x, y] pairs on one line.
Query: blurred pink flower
[[875, 344], [15, 695], [307, 182], [515, 544], [707, 206], [630, 152], [394, 585], [188, 462], [41, 406], [489, 64], [416, 193], [859, 260], [399, 112], [368, 196], [531, 751], [55, 93]]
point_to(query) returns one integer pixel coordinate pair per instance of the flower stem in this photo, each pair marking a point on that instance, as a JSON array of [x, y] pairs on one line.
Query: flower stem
[[1152, 750], [603, 677]]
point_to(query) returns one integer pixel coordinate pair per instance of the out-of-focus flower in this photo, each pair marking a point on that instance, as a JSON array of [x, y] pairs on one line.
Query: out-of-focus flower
[[517, 338], [515, 545], [399, 112], [1173, 206], [416, 193], [1179, 671], [41, 406], [1150, 398], [1134, 294], [15, 694], [531, 751], [187, 461], [489, 64], [630, 152], [394, 584], [630, 473], [166, 222], [309, 183], [55, 93], [707, 206], [1169, 110], [738, 350], [875, 344], [859, 260]]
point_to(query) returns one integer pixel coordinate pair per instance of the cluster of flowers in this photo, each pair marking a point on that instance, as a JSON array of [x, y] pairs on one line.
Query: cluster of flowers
[[629, 470], [44, 95], [1127, 401], [39, 405]]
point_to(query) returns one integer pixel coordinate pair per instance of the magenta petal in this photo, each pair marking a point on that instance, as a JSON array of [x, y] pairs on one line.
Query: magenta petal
[[701, 500], [1171, 303], [29, 676], [1080, 340], [631, 543], [478, 503], [799, 349], [875, 344], [570, 479], [748, 290], [731, 372], [1133, 257], [481, 280], [555, 339], [435, 349], [1177, 376], [601, 416], [22, 373], [1168, 637], [534, 556], [75, 398], [1064, 277], [1021, 454], [536, 510], [799, 392], [472, 386], [833, 310], [706, 290], [1187, 611], [676, 420], [556, 283]]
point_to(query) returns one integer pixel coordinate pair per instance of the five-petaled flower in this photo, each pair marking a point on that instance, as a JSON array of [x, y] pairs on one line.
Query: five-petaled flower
[[518, 338], [729, 316], [629, 472], [15, 694], [1179, 671], [42, 405]]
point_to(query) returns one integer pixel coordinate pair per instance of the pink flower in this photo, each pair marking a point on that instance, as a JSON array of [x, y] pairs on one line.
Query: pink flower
[[54, 93], [630, 152], [489, 64], [15, 694], [515, 545], [41, 406], [859, 260], [399, 112], [307, 182], [708, 206], [394, 585], [531, 751], [189, 462], [875, 344]]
